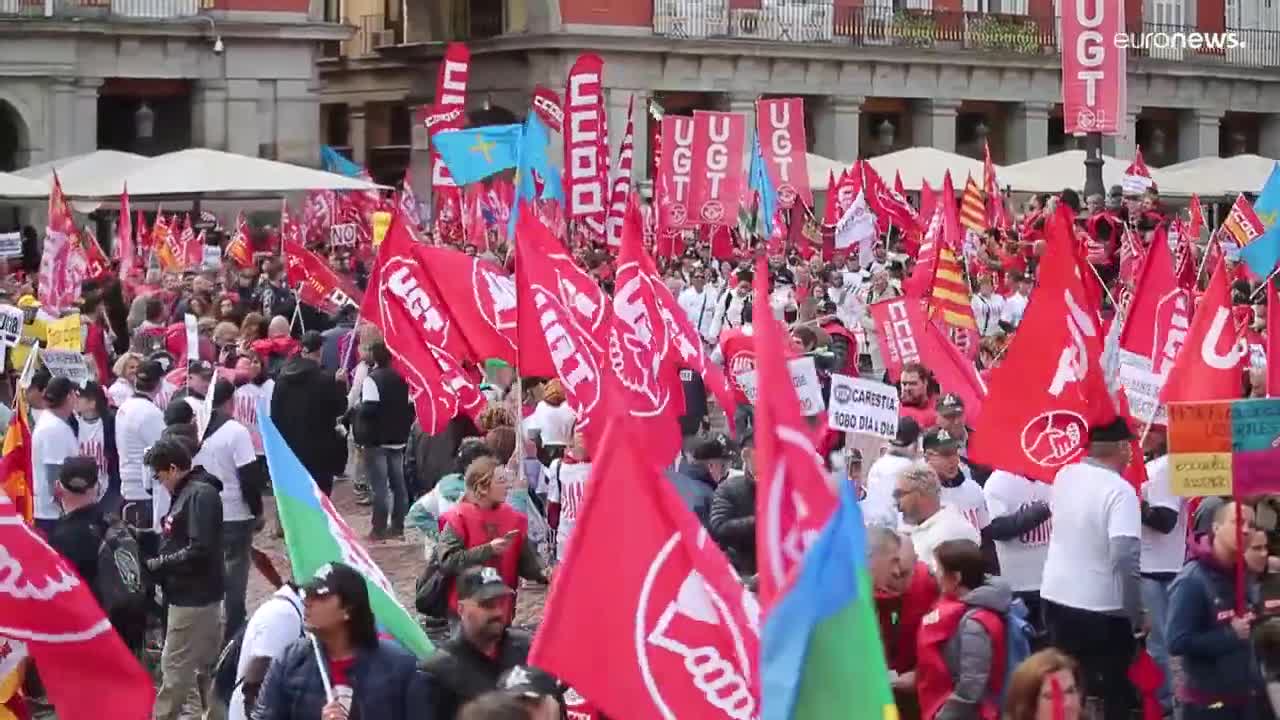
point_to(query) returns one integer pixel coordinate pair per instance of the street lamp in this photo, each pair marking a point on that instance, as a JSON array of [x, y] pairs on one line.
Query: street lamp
[[144, 122], [884, 133], [1093, 184]]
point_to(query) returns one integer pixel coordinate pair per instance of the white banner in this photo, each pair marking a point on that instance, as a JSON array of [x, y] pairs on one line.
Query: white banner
[[11, 319], [863, 406], [1142, 389], [344, 235], [66, 363], [804, 376], [10, 245]]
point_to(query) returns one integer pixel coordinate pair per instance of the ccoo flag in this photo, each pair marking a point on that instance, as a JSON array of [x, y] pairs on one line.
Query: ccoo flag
[[475, 154], [821, 655], [315, 534]]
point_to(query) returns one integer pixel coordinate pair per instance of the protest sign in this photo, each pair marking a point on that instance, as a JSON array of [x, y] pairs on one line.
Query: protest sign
[[863, 406], [1225, 448], [66, 363], [10, 325], [212, 257], [804, 376], [64, 333], [1142, 389], [192, 327], [10, 245], [343, 235]]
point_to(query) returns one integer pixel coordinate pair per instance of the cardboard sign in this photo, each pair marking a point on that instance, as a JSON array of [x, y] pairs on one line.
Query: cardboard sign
[[10, 245], [212, 257], [1225, 448], [11, 321], [863, 406], [1142, 389], [66, 363], [192, 327], [804, 376], [343, 236], [64, 333]]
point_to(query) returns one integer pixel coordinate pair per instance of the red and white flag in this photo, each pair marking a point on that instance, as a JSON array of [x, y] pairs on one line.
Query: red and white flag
[[719, 149], [674, 180], [1160, 313], [321, 287], [1094, 68], [793, 500], [1051, 388], [43, 603], [1137, 177], [479, 296], [546, 103], [675, 634], [1209, 365], [125, 248], [586, 145], [63, 263], [906, 335], [780, 122], [449, 110], [621, 191]]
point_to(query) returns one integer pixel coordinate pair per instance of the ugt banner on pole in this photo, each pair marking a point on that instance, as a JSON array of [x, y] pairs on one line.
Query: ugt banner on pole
[[1093, 68]]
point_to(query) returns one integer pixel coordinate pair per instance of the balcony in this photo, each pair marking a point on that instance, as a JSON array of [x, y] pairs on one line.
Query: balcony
[[373, 32], [879, 25], [106, 9]]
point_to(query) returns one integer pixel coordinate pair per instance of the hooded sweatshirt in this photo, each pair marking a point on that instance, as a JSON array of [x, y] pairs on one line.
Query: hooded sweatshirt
[[969, 653]]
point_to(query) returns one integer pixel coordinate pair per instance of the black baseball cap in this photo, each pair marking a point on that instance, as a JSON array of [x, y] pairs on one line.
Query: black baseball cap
[[312, 341], [908, 432], [939, 440], [524, 681], [950, 404], [1115, 431], [481, 584], [339, 579]]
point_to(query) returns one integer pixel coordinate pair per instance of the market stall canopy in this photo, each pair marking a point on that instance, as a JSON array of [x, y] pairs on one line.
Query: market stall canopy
[[1220, 177], [928, 164], [200, 172], [1052, 173], [78, 173], [820, 168], [14, 186]]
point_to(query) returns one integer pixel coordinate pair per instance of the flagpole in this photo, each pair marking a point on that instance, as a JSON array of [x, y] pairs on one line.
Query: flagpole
[[1263, 286], [1104, 286], [297, 310]]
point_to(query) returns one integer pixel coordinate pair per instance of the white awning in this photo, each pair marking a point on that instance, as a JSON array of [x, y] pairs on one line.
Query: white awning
[[15, 186], [930, 165], [1052, 173], [1221, 177], [80, 172]]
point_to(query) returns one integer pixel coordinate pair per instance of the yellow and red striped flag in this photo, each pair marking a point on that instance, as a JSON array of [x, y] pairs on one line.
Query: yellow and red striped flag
[[973, 208], [949, 299], [15, 465]]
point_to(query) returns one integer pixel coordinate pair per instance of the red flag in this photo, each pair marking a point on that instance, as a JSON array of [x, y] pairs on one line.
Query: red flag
[[586, 173], [96, 263], [1136, 472], [480, 297], [719, 146], [46, 605], [1050, 389], [1159, 314], [124, 247], [1273, 341], [546, 103], [675, 634], [907, 336], [620, 193], [419, 332], [239, 249], [449, 110], [1209, 365], [552, 339], [780, 122], [919, 284], [1196, 213], [928, 200], [793, 500], [63, 264], [322, 288], [675, 174]]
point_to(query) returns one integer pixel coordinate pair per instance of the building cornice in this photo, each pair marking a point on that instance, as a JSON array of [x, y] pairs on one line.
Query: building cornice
[[195, 26]]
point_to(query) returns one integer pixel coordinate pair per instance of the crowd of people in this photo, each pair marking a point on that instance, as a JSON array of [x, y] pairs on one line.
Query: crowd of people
[[998, 596]]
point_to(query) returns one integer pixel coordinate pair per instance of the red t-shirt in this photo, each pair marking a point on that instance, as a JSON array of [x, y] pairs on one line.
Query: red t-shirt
[[340, 672]]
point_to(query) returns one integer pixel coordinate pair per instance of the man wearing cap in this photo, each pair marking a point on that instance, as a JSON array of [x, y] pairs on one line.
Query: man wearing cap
[[1090, 589], [951, 417], [199, 377], [732, 521], [696, 480], [78, 533], [305, 406], [53, 440], [139, 424], [878, 508], [482, 648]]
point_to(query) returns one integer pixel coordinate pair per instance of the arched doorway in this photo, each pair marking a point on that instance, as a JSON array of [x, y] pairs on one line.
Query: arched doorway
[[13, 139]]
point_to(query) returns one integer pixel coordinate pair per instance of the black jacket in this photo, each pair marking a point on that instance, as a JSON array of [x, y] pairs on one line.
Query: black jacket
[[733, 522], [189, 566], [694, 485], [430, 457], [457, 672], [387, 421], [305, 406]]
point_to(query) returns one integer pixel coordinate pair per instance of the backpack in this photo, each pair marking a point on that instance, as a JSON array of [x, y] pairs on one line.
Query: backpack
[[225, 680], [1018, 637], [121, 584]]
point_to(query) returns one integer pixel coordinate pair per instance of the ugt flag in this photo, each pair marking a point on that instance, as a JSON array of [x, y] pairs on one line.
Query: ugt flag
[[315, 534]]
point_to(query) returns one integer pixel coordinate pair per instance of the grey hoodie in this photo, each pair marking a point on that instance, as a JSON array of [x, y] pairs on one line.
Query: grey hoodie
[[968, 652]]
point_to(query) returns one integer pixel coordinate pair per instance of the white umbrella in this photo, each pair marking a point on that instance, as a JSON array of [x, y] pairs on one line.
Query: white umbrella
[[79, 172], [1052, 173], [15, 186], [928, 164], [1220, 177], [820, 168], [213, 173]]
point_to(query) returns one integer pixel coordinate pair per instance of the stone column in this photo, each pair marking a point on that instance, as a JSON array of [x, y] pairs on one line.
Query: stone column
[[837, 128], [744, 104], [1269, 136], [1028, 136], [1198, 132], [359, 139], [86, 138], [297, 127], [62, 118], [209, 114], [244, 131], [934, 124]]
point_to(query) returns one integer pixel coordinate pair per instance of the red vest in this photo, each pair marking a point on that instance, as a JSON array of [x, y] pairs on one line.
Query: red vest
[[934, 683], [738, 349], [477, 526]]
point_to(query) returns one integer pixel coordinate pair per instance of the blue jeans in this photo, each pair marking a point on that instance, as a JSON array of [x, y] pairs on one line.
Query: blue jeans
[[1155, 598], [384, 469], [237, 538]]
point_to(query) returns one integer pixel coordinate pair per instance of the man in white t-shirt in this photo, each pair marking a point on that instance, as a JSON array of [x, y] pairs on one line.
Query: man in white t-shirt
[[987, 307], [878, 508], [139, 423], [52, 442], [566, 489], [1020, 527], [927, 521], [1164, 549], [1016, 304], [274, 626], [698, 301], [226, 452], [1090, 589]]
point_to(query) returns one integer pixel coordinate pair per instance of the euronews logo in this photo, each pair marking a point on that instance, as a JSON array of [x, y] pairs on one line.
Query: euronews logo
[[1179, 41]]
